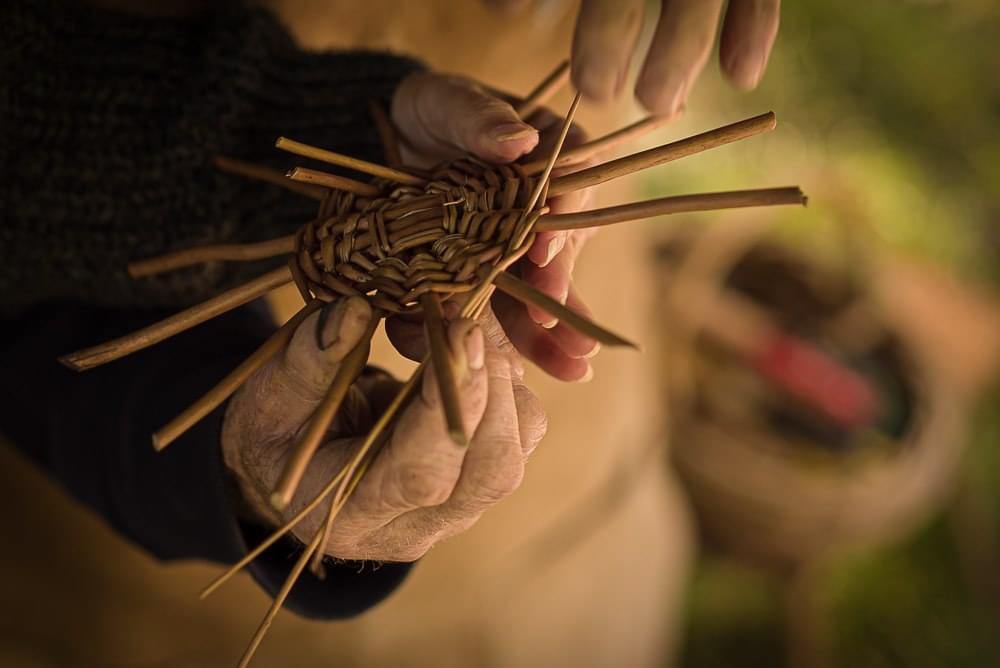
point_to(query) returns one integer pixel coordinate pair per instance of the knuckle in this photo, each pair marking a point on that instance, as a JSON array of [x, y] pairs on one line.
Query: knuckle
[[409, 553], [499, 485], [536, 430], [423, 486]]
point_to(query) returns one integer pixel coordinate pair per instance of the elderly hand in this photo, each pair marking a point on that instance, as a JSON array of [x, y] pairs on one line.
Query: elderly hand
[[421, 488], [445, 116], [607, 32]]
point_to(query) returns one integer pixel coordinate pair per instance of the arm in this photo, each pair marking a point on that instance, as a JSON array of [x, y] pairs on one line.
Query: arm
[[109, 124], [91, 432]]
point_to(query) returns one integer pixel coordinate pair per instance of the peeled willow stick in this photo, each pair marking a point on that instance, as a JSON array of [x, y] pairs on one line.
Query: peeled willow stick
[[323, 155], [344, 492], [444, 367], [225, 387], [235, 252], [602, 144], [613, 169], [313, 548], [350, 368], [267, 175], [369, 449], [279, 600], [734, 199], [526, 294], [544, 91], [379, 432], [524, 230], [175, 324], [304, 175]]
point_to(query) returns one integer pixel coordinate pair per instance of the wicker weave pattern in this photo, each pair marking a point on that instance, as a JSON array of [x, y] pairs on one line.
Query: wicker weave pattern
[[442, 237]]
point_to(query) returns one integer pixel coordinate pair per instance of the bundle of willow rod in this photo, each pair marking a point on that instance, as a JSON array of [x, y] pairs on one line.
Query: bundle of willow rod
[[406, 241]]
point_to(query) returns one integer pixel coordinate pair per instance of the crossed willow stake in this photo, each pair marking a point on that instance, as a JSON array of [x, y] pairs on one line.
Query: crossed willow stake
[[407, 240]]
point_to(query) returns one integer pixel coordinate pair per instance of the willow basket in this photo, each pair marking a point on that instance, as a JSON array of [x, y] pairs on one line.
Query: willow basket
[[757, 492]]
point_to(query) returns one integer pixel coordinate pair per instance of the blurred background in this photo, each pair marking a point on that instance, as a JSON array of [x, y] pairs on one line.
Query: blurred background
[[817, 392], [889, 117]]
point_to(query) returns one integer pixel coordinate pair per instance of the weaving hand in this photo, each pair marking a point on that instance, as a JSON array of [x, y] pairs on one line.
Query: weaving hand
[[421, 488], [607, 32], [444, 116]]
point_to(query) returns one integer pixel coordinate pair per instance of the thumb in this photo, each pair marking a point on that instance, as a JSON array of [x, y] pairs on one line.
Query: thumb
[[446, 116], [300, 377]]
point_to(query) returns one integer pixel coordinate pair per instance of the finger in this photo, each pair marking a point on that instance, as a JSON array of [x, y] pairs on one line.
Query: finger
[[421, 463], [605, 37], [554, 278], [546, 247], [493, 467], [532, 423], [681, 46], [283, 395], [573, 343], [748, 35], [537, 344], [449, 116], [549, 244]]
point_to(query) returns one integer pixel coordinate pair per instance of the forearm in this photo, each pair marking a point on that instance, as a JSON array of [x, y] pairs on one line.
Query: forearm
[[91, 431]]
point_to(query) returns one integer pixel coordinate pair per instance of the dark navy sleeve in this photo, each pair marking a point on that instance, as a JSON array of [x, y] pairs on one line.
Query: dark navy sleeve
[[92, 432]]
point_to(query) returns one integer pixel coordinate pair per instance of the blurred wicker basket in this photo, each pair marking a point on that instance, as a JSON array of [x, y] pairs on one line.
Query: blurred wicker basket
[[761, 491]]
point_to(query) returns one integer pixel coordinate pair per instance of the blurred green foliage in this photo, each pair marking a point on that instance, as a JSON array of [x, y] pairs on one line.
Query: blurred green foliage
[[889, 117], [888, 114]]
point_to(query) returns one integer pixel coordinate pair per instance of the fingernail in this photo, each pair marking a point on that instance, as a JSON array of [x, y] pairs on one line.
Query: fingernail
[[555, 247], [598, 79], [593, 353], [664, 93], [588, 376], [328, 323], [512, 131], [754, 70], [475, 348], [550, 323], [745, 69]]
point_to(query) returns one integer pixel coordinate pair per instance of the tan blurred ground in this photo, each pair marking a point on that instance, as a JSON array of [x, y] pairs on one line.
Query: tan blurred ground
[[525, 587]]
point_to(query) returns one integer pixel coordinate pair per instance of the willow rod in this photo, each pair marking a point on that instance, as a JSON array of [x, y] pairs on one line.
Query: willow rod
[[323, 155], [613, 169], [279, 600], [212, 399], [304, 175], [175, 324], [267, 175], [350, 368], [444, 367], [544, 91], [340, 499], [220, 252], [521, 291], [315, 548], [667, 205], [369, 449], [523, 230], [601, 144], [387, 134]]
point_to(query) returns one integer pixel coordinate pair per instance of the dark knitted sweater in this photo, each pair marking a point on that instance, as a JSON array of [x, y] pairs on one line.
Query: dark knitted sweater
[[108, 126]]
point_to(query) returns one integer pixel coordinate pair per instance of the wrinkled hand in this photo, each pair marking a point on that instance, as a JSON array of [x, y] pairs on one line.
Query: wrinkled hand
[[421, 488], [445, 116], [607, 32]]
